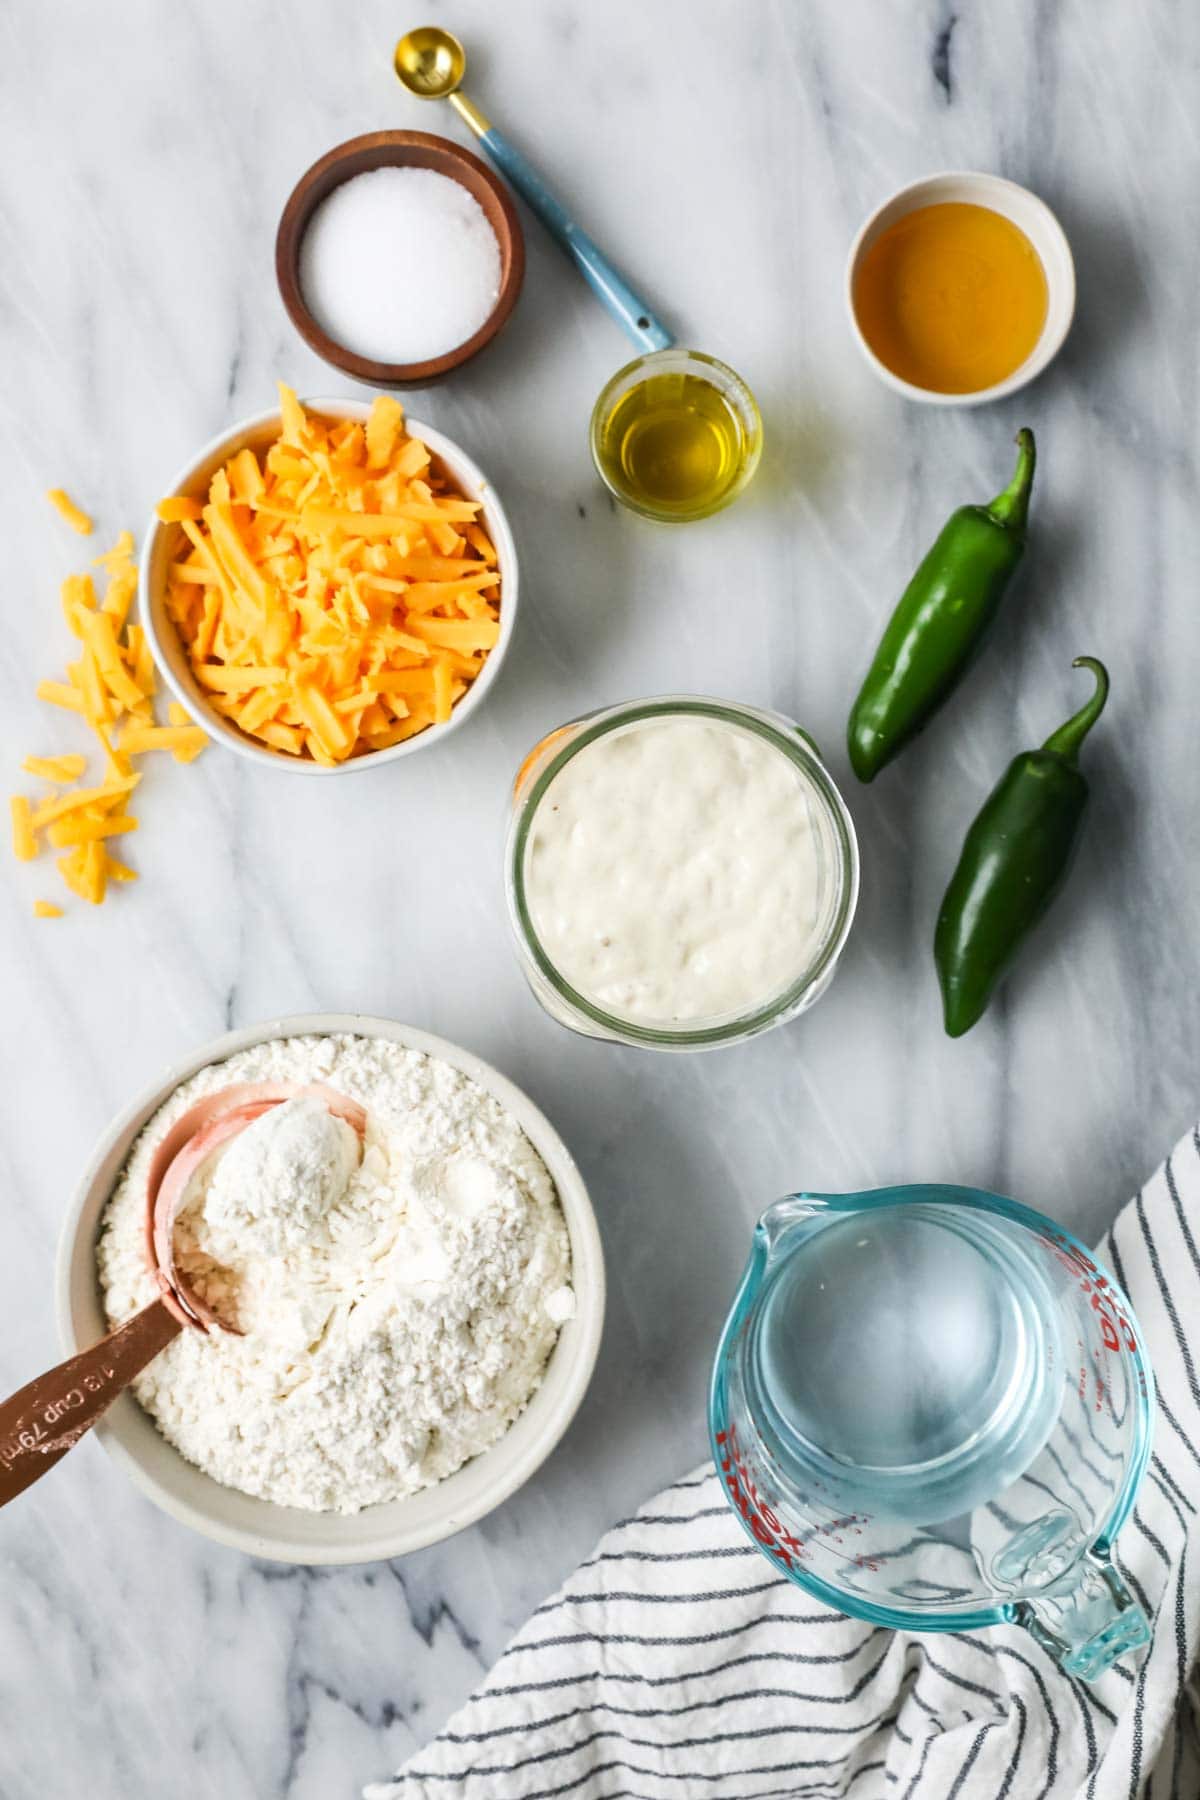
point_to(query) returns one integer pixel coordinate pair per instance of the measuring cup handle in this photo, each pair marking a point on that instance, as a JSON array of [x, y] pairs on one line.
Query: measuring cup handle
[[609, 286], [1091, 1623], [50, 1414]]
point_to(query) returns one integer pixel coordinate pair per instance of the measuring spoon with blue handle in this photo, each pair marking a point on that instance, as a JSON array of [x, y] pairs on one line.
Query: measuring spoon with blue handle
[[431, 63]]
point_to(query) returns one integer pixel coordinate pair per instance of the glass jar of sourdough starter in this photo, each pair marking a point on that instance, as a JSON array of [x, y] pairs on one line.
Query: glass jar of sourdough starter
[[682, 872]]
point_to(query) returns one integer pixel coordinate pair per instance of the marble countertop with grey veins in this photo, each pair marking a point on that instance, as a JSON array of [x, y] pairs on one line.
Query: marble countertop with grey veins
[[725, 155]]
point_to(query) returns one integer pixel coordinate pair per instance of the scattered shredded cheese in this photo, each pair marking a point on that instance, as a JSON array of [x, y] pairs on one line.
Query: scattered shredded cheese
[[24, 842], [112, 687], [76, 518], [333, 596], [188, 738], [55, 768]]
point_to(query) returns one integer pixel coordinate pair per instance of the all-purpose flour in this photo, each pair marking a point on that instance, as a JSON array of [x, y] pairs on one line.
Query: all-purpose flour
[[398, 1312]]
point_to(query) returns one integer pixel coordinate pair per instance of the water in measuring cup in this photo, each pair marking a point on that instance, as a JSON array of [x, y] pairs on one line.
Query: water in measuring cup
[[907, 1361]]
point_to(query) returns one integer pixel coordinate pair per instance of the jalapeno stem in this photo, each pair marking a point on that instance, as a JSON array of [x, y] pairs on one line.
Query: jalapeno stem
[[1066, 740], [1011, 505]]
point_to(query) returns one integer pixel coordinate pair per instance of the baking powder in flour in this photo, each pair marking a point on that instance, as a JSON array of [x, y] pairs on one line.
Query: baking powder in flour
[[398, 1311]]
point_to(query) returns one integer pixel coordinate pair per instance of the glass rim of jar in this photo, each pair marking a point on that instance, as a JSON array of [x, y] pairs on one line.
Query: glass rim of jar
[[727, 381], [793, 742]]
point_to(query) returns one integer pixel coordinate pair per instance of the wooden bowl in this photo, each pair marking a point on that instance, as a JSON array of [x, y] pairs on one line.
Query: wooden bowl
[[398, 149]]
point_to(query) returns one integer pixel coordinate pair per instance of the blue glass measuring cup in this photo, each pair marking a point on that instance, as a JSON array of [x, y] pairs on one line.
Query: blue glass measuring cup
[[931, 1408]]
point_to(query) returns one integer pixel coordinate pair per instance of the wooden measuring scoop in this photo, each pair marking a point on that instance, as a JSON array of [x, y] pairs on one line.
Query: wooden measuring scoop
[[47, 1417]]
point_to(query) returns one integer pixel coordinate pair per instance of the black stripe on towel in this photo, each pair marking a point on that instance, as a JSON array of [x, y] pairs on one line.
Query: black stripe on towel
[[1184, 1227], [1177, 1428], [1158, 1469], [1014, 1759], [655, 1643], [1168, 1299], [1164, 1409], [702, 1597], [1044, 1693], [962, 1681], [623, 1767], [812, 1790], [670, 1556], [674, 1680], [530, 1727], [846, 1699], [1182, 1659], [706, 1512], [537, 1757], [930, 1740], [816, 1790], [971, 1758], [1137, 1751], [866, 1768]]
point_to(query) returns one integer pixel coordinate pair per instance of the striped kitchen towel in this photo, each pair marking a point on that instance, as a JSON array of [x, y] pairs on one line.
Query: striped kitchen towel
[[675, 1663]]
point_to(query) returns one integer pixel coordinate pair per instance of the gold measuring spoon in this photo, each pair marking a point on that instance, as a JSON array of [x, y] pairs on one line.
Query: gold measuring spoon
[[675, 435], [431, 63], [49, 1415]]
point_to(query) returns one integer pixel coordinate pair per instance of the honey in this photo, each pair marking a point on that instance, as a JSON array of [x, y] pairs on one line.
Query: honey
[[677, 444], [951, 298]]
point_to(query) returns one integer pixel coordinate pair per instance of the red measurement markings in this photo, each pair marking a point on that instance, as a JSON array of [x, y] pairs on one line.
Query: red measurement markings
[[1101, 1388], [835, 1527], [1115, 1327], [764, 1524]]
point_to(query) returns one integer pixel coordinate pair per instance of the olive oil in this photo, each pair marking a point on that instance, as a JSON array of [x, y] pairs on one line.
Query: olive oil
[[951, 298], [678, 445]]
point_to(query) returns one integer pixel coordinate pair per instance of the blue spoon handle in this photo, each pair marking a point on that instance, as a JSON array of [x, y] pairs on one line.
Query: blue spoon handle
[[609, 287]]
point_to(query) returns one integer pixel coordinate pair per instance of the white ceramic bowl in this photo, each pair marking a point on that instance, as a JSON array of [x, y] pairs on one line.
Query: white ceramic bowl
[[288, 1534], [169, 653], [1030, 215]]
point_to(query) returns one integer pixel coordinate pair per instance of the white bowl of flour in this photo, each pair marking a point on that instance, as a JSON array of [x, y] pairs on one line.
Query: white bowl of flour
[[420, 1325]]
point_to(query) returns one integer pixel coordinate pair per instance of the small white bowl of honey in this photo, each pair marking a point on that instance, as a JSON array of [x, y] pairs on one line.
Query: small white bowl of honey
[[960, 289]]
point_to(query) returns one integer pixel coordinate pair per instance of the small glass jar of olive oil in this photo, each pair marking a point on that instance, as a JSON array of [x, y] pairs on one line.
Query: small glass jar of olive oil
[[676, 435]]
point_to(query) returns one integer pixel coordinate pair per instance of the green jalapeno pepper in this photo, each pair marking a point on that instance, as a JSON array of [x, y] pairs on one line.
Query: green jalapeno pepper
[[1014, 861], [940, 621]]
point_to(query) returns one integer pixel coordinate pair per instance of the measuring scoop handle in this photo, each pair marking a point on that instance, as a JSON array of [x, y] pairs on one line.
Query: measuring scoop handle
[[609, 286], [50, 1414]]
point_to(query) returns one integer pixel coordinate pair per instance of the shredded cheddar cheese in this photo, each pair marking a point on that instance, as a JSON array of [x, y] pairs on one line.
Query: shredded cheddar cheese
[[188, 738], [333, 595], [178, 507], [111, 685], [76, 518], [60, 693], [55, 768], [24, 842]]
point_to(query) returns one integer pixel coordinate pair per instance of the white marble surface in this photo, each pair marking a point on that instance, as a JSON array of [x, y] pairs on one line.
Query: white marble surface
[[725, 154]]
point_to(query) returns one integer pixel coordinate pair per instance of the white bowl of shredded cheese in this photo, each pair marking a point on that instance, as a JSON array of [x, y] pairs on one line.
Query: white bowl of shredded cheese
[[163, 540], [467, 1107]]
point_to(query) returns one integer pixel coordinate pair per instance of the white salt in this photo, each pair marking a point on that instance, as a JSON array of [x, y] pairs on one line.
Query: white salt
[[400, 265]]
